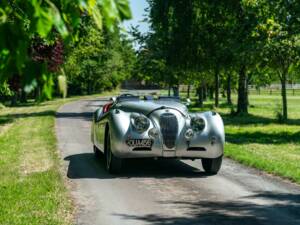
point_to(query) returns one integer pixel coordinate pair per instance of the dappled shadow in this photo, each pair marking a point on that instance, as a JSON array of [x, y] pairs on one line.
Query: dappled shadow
[[260, 208], [29, 103], [99, 100], [254, 119], [72, 115], [86, 165], [5, 120], [12, 116], [263, 138], [246, 119]]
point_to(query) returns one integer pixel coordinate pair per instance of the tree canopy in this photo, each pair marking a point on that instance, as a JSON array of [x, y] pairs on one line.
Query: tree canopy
[[209, 41], [30, 30]]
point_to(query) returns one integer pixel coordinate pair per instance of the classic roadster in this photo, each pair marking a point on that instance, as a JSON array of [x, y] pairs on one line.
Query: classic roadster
[[132, 127]]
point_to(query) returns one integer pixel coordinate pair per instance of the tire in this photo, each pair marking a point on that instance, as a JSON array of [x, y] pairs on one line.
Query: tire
[[97, 152], [212, 166], [113, 164]]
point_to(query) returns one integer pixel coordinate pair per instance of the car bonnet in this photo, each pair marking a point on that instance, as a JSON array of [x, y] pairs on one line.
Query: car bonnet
[[146, 107]]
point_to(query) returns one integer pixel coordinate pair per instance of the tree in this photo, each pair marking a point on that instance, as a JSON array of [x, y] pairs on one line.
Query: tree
[[22, 21], [212, 32], [282, 49], [101, 60]]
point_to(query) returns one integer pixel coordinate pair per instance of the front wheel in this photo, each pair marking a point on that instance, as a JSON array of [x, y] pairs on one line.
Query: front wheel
[[212, 166], [113, 164], [97, 152]]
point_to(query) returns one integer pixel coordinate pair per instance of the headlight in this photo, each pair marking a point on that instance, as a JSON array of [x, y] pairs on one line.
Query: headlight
[[189, 134], [198, 124], [140, 123]]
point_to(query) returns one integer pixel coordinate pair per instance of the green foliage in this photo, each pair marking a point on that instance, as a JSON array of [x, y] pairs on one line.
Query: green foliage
[[22, 21], [5, 90], [256, 41], [99, 61], [62, 84], [201, 37], [280, 30]]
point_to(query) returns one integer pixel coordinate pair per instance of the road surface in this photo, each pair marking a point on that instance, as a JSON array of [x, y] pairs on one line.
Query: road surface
[[165, 192]]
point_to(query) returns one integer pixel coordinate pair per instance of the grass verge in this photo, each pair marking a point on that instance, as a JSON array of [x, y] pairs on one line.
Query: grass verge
[[259, 140], [31, 186]]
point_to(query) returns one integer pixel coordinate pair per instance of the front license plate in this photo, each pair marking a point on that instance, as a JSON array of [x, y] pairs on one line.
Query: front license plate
[[144, 143]]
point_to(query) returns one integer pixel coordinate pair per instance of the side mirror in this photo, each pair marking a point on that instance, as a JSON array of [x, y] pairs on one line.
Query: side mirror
[[97, 114]]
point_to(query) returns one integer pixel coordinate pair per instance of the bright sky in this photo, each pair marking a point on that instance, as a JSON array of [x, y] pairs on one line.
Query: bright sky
[[138, 12]]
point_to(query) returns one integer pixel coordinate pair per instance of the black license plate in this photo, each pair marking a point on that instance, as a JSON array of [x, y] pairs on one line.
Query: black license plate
[[143, 143]]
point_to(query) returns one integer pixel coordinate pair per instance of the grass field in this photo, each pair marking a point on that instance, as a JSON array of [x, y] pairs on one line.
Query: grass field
[[32, 189], [31, 186], [259, 140]]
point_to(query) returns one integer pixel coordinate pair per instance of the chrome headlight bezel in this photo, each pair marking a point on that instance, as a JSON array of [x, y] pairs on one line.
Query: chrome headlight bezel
[[140, 123], [197, 124]]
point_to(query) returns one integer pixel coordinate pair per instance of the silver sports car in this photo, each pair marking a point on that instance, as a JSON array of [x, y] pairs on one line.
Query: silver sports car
[[131, 127]]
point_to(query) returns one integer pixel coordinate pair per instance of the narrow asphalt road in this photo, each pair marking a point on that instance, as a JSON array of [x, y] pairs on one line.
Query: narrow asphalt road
[[166, 192]]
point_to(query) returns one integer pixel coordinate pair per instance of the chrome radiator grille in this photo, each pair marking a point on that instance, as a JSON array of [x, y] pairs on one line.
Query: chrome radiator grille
[[169, 129]]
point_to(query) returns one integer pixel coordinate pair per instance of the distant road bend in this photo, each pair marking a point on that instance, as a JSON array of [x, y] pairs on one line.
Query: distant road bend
[[166, 192]]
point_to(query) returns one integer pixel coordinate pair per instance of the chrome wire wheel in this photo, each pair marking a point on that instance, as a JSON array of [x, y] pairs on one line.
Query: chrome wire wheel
[[113, 163], [97, 152], [108, 153]]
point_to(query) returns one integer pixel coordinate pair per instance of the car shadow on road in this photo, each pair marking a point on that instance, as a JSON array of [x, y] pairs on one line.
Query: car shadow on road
[[86, 165], [87, 116], [282, 208]]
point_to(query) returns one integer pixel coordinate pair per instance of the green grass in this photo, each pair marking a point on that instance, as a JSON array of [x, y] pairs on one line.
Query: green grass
[[259, 140], [31, 186], [32, 189]]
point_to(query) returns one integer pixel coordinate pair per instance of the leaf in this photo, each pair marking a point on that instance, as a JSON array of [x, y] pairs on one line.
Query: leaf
[[124, 9], [44, 19], [82, 5], [44, 23], [48, 86], [97, 18], [57, 20], [3, 16], [91, 5], [110, 13]]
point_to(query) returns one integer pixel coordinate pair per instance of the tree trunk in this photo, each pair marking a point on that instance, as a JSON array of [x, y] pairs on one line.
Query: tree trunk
[[23, 97], [242, 107], [188, 91], [176, 91], [169, 90], [229, 101], [204, 92], [14, 99], [38, 92], [223, 93], [200, 95], [284, 98], [217, 81], [211, 93], [247, 92], [89, 88], [89, 84]]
